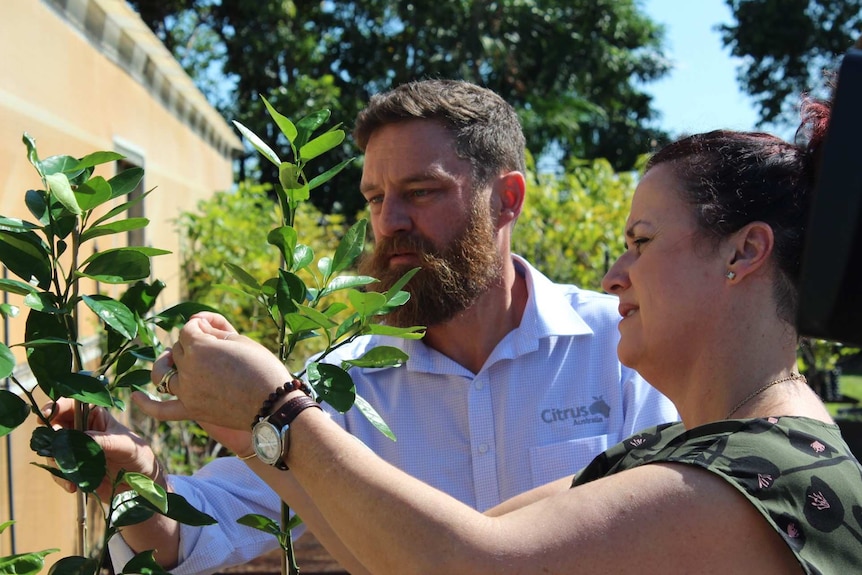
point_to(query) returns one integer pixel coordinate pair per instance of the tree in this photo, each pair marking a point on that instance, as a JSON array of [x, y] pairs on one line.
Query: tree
[[573, 68], [786, 45], [572, 224]]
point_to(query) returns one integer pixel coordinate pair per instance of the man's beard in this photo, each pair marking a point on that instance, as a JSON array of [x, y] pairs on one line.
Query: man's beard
[[451, 278]]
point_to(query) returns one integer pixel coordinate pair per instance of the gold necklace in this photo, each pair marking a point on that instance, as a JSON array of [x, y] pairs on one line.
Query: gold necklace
[[791, 377]]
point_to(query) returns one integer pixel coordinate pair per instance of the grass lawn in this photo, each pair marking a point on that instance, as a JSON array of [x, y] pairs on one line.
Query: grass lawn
[[851, 386]]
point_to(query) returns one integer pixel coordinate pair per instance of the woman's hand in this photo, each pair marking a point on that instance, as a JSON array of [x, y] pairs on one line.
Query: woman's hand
[[222, 378]]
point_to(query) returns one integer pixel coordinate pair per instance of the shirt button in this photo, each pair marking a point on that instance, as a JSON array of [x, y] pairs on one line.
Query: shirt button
[[483, 448], [479, 385]]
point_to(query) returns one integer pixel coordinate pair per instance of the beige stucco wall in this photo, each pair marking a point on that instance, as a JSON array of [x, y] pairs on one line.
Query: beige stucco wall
[[57, 85]]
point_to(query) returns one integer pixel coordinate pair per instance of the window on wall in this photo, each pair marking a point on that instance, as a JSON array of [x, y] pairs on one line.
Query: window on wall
[[133, 159]]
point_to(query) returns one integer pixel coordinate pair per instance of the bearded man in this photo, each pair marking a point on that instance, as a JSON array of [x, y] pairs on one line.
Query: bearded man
[[513, 368]]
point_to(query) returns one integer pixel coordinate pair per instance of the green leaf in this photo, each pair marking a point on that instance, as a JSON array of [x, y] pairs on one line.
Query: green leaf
[[128, 508], [318, 317], [346, 282], [26, 256], [141, 296], [16, 287], [372, 416], [284, 238], [302, 256], [352, 323], [324, 265], [80, 458], [136, 507], [42, 441], [59, 187], [289, 290], [307, 125], [380, 356], [74, 565], [333, 385], [13, 411], [413, 332], [8, 310], [147, 251], [321, 144], [144, 486], [328, 174], [16, 225], [126, 181], [261, 523], [350, 246], [136, 379], [242, 277], [114, 228], [298, 323], [7, 361], [98, 158], [121, 265], [144, 563], [24, 563], [258, 144], [94, 192], [288, 176], [179, 314], [300, 194], [181, 510], [114, 314], [32, 154], [121, 208], [397, 299], [51, 361], [45, 302], [366, 303], [286, 126], [79, 386], [396, 287], [62, 163]]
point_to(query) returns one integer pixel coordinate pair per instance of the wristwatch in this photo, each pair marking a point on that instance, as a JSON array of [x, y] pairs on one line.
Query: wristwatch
[[270, 437]]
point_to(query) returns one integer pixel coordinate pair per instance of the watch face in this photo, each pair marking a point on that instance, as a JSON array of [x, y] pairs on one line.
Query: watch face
[[266, 442]]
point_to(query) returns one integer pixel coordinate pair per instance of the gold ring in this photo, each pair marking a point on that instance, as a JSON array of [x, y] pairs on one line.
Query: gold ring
[[164, 385]]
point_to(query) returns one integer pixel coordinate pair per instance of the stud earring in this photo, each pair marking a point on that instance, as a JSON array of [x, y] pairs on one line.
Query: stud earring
[[730, 274]]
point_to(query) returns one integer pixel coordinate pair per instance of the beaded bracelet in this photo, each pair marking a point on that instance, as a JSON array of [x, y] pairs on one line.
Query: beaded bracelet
[[292, 385]]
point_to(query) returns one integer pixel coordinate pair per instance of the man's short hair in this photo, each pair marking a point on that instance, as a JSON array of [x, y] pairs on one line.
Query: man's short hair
[[485, 127]]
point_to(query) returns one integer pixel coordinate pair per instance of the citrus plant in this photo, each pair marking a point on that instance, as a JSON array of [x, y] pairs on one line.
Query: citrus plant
[[318, 298], [53, 259]]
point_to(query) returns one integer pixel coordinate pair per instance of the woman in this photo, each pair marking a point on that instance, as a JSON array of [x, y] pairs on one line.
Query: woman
[[755, 479]]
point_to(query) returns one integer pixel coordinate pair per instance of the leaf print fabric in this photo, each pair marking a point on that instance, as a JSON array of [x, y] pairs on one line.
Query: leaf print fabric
[[798, 473]]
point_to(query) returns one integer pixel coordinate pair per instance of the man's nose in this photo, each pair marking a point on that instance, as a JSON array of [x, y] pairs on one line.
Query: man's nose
[[394, 218]]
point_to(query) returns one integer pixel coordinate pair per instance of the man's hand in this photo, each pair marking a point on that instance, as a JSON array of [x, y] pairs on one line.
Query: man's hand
[[238, 441], [123, 449]]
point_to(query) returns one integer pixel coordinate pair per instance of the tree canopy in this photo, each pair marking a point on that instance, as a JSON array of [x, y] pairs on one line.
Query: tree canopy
[[786, 45], [574, 69]]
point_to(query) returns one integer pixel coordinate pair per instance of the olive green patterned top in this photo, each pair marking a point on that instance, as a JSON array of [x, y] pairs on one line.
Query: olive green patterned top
[[798, 473]]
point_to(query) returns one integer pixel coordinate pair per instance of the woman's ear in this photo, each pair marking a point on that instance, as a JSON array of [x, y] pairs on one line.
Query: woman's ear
[[750, 248], [511, 188]]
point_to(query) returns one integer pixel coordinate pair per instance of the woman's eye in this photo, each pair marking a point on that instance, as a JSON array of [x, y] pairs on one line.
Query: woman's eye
[[638, 243]]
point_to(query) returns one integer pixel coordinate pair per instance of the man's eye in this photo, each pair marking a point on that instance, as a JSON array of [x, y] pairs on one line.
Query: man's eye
[[374, 199]]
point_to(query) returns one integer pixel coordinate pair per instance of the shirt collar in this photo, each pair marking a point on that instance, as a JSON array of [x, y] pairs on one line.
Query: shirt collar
[[554, 317]]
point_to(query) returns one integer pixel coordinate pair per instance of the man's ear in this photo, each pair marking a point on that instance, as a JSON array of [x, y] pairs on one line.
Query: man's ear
[[510, 189], [750, 248]]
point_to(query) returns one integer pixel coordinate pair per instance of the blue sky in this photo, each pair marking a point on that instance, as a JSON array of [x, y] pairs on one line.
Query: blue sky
[[701, 93]]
